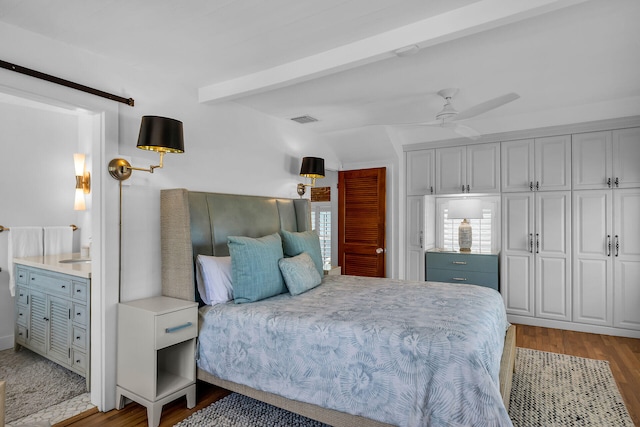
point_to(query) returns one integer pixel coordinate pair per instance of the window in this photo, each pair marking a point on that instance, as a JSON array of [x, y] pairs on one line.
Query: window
[[484, 230], [321, 223]]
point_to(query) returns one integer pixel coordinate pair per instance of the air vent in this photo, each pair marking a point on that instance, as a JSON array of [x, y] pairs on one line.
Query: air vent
[[304, 119]]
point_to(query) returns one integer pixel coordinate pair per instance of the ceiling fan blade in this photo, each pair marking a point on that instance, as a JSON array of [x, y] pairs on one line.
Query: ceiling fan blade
[[466, 131], [486, 106]]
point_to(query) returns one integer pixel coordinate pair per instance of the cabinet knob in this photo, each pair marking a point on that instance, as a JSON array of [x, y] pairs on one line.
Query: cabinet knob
[[617, 182], [608, 245], [609, 182], [530, 185], [537, 186], [468, 189], [617, 245]]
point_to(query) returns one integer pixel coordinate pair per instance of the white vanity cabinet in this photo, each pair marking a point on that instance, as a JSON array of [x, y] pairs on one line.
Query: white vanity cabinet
[[535, 267], [608, 159], [53, 311], [420, 168], [468, 169], [540, 164]]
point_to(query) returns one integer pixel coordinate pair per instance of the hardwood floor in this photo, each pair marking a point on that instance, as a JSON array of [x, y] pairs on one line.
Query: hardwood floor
[[623, 355]]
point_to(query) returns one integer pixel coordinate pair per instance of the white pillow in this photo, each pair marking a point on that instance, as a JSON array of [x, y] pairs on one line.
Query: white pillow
[[213, 275]]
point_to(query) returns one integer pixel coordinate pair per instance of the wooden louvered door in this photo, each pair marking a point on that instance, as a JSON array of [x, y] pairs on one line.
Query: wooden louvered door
[[362, 222]]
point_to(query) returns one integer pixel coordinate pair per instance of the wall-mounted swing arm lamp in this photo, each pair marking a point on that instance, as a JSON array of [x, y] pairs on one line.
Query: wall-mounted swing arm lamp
[[83, 182], [312, 167], [159, 134]]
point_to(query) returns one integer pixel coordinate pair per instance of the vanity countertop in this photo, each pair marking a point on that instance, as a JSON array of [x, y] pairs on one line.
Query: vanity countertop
[[80, 268]]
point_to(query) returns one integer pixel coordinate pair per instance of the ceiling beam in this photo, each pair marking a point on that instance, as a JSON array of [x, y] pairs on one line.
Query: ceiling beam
[[477, 17]]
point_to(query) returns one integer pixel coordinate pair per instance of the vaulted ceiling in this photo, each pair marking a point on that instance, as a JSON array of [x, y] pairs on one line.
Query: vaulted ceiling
[[342, 61]]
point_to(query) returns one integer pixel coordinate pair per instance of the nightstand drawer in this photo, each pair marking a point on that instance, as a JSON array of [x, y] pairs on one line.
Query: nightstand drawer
[[462, 262], [80, 291], [21, 276], [489, 280], [175, 327]]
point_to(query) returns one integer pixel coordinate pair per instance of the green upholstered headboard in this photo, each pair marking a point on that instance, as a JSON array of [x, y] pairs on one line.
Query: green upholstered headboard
[[194, 223]]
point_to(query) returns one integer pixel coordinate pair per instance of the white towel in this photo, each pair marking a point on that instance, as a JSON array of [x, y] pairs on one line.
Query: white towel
[[23, 241], [58, 240]]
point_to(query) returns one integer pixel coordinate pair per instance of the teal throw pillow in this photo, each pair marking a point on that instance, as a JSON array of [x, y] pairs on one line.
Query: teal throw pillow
[[303, 241], [254, 267], [299, 273]]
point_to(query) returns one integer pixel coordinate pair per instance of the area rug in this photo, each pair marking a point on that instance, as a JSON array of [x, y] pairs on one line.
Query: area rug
[[549, 390], [34, 383]]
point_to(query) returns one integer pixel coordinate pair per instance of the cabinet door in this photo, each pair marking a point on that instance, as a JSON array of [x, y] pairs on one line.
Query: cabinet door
[[592, 257], [517, 165], [517, 257], [553, 163], [38, 322], [451, 170], [626, 211], [415, 238], [552, 248], [58, 344], [626, 157], [483, 168], [592, 161], [420, 172]]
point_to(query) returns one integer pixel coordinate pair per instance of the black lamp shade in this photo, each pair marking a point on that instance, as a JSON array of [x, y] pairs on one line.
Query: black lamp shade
[[312, 167], [161, 134]]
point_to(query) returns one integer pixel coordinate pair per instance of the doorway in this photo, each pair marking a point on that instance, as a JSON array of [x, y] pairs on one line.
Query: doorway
[[362, 222]]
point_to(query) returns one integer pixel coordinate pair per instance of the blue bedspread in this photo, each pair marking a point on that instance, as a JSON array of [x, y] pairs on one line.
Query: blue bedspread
[[404, 353]]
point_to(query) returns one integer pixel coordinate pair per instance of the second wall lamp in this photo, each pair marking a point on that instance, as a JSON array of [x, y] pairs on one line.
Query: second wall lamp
[[83, 182], [159, 134], [312, 167]]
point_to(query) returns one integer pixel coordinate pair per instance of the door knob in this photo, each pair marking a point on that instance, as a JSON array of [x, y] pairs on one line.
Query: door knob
[[379, 250]]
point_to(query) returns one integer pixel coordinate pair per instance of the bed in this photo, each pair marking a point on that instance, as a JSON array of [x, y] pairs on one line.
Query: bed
[[378, 384]]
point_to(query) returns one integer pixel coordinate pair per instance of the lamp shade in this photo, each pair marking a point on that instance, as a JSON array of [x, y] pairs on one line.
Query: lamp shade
[[161, 134], [465, 208], [312, 167]]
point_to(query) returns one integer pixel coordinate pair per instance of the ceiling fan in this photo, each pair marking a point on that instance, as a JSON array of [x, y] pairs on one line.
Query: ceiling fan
[[449, 117]]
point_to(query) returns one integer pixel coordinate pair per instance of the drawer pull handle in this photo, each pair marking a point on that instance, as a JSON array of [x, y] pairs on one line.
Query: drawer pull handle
[[459, 279], [177, 328], [78, 291], [459, 262]]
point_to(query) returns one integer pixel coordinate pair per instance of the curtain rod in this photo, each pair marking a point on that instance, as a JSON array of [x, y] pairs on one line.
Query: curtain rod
[[63, 82]]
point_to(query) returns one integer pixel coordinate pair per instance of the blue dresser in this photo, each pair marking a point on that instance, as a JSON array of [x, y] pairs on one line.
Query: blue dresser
[[455, 267]]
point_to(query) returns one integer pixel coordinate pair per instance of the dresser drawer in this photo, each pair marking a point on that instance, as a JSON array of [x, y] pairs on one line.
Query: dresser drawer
[[22, 295], [79, 314], [21, 334], [79, 291], [489, 280], [78, 360], [50, 283], [175, 327], [22, 315], [463, 262], [79, 337], [22, 275]]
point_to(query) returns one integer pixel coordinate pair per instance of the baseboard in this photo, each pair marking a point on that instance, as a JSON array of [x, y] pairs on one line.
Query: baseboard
[[6, 342], [572, 326]]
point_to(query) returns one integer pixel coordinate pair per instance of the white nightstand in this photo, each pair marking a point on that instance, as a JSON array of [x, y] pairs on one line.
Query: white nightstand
[[156, 353]]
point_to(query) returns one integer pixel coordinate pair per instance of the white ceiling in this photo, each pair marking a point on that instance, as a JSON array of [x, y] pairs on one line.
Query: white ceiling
[[569, 60]]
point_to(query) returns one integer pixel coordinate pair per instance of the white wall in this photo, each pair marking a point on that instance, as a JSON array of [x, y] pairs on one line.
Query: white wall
[[38, 183], [228, 148]]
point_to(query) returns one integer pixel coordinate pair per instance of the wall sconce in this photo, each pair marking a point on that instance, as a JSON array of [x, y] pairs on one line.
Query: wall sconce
[[159, 134], [83, 182], [312, 167], [465, 209]]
